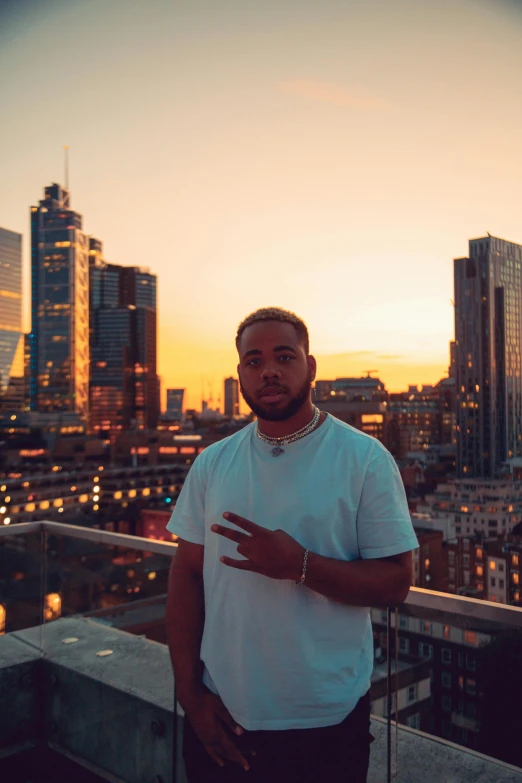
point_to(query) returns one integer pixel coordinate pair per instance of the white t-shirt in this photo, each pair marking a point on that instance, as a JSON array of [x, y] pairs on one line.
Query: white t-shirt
[[279, 655]]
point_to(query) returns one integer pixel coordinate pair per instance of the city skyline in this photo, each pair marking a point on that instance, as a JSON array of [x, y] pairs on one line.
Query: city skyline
[[338, 177]]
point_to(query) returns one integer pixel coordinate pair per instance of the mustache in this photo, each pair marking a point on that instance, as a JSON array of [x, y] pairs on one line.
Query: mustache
[[272, 386]]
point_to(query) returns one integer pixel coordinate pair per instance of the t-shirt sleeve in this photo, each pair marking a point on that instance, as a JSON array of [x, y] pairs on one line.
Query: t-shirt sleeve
[[188, 517], [384, 525]]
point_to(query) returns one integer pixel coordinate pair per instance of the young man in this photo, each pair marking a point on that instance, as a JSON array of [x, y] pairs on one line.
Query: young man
[[289, 531]]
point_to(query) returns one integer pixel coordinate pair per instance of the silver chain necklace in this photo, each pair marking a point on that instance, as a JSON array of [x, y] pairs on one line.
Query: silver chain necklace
[[286, 439]]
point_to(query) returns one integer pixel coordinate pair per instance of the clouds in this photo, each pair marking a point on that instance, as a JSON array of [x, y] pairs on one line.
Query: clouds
[[330, 92]]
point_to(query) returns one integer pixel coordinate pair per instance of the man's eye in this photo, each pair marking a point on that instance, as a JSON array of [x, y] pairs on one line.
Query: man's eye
[[286, 356], [252, 361]]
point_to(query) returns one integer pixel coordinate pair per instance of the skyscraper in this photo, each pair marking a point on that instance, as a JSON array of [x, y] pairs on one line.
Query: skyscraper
[[124, 385], [175, 403], [11, 336], [231, 397], [488, 339], [59, 376]]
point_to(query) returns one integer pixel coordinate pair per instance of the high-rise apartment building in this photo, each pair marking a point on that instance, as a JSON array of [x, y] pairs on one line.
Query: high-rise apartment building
[[124, 385], [488, 338], [59, 373], [175, 403], [360, 402], [421, 418], [11, 336], [231, 397]]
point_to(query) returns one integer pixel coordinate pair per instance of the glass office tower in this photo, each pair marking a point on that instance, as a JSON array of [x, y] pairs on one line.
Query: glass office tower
[[124, 386], [59, 374], [11, 336], [231, 397], [488, 338], [175, 403]]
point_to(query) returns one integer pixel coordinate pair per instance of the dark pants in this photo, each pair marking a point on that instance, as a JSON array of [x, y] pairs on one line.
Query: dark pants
[[336, 754]]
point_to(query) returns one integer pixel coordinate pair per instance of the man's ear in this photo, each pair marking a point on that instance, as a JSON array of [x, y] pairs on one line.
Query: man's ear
[[312, 366]]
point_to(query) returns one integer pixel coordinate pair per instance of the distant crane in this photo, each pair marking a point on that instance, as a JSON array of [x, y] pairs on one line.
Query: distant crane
[[368, 372]]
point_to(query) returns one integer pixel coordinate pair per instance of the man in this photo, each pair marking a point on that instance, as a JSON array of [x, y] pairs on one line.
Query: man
[[288, 531]]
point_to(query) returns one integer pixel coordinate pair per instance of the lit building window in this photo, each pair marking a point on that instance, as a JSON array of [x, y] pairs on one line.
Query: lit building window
[[492, 565], [470, 637], [53, 606]]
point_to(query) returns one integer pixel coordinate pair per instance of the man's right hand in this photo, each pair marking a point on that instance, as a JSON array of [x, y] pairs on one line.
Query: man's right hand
[[214, 726]]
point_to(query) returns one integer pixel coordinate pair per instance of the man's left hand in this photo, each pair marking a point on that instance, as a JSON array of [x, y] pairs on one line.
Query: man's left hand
[[272, 553]]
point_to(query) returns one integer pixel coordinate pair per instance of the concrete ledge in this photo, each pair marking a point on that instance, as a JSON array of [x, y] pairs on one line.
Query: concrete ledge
[[136, 666], [19, 705], [428, 759], [114, 714]]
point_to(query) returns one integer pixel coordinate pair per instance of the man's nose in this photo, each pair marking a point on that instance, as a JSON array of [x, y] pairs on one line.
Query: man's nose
[[271, 371]]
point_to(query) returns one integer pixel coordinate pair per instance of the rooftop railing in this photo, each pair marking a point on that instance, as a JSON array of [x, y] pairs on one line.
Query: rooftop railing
[[78, 684]]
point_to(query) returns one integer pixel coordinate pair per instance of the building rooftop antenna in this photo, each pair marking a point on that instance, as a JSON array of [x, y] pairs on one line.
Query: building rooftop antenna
[[66, 164]]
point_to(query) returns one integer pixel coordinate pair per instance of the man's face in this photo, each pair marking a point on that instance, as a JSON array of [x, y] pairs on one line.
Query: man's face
[[274, 371]]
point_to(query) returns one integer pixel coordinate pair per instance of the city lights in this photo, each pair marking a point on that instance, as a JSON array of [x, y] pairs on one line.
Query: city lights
[[333, 158]]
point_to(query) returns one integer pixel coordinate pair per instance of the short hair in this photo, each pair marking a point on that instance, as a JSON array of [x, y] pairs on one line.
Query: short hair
[[275, 314]]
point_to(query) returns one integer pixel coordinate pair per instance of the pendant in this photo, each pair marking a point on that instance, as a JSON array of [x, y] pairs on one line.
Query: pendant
[[277, 451]]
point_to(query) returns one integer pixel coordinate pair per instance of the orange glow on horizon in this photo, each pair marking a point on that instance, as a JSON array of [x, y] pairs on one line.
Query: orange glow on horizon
[[196, 366]]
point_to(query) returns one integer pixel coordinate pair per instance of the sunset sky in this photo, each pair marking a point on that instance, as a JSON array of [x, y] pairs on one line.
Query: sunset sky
[[328, 157]]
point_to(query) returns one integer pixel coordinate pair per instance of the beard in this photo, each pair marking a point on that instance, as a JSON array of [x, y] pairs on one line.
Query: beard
[[293, 405]]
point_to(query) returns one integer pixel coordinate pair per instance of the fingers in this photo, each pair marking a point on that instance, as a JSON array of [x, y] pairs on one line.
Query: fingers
[[246, 524], [212, 753], [226, 749], [227, 532], [242, 565], [232, 753], [227, 718]]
